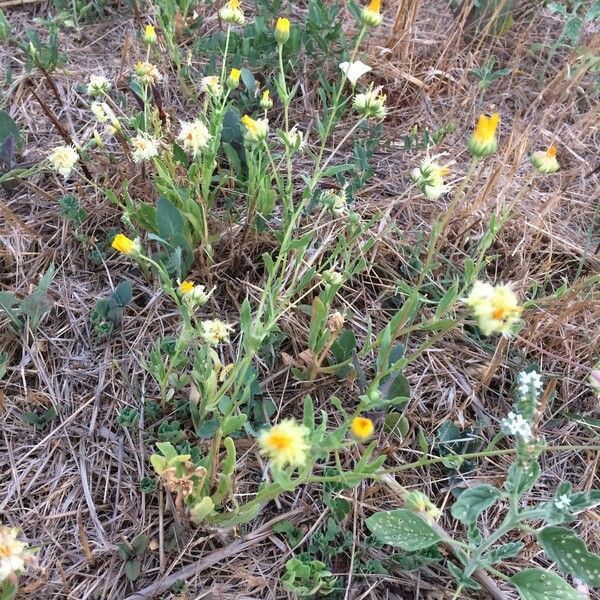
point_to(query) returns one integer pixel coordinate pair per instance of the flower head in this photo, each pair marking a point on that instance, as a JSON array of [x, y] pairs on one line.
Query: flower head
[[265, 101], [282, 30], [147, 73], [362, 427], [563, 502], [370, 15], [333, 277], [196, 295], [234, 78], [144, 147], [496, 308], [99, 112], [150, 34], [429, 178], [215, 331], [285, 443], [545, 162], [98, 85], [515, 424], [256, 129], [293, 139], [211, 86], [13, 554], [483, 142], [232, 13], [63, 159], [371, 104], [194, 136], [354, 70], [334, 201], [125, 245]]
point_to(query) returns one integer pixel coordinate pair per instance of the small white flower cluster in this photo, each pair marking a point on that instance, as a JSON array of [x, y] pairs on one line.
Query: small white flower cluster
[[530, 383], [562, 502], [515, 424]]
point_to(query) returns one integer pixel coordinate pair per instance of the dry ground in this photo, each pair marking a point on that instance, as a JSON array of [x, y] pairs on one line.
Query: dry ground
[[74, 486]]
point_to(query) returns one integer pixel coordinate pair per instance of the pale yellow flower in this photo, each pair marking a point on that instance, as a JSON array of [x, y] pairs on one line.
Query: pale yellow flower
[[285, 443], [144, 147], [371, 104], [362, 427], [545, 161], [354, 70], [293, 139], [98, 85], [147, 73], [215, 331], [194, 136], [232, 13], [13, 554], [496, 308], [195, 295], [265, 101], [370, 15], [256, 129], [483, 142], [99, 112], [282, 30], [63, 159], [211, 86], [429, 178]]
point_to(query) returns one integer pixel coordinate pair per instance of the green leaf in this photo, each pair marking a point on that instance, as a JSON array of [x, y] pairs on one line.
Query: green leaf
[[8, 303], [503, 552], [8, 128], [538, 584], [337, 169], [38, 303], [123, 294], [522, 479], [233, 424], [248, 81], [570, 553], [202, 509], [133, 569], [402, 528], [317, 324], [396, 386], [473, 501], [447, 300], [169, 220]]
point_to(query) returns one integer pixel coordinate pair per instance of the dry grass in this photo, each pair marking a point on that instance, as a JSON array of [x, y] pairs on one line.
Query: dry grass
[[74, 487]]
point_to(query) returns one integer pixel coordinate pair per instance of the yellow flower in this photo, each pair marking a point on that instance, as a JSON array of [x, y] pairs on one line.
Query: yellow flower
[[215, 331], [266, 102], [231, 13], [234, 78], [150, 34], [185, 287], [282, 30], [63, 159], [370, 15], [362, 427], [256, 129], [13, 554], [125, 245], [545, 162], [496, 308], [483, 142], [285, 443]]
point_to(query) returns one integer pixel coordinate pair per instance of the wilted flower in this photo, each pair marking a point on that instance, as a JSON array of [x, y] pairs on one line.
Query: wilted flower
[[126, 245], [150, 34], [99, 112], [63, 159], [147, 73], [429, 178], [418, 502], [266, 102], [285, 443], [362, 427], [211, 86], [371, 104], [354, 70], [194, 136], [515, 424], [293, 139], [234, 78], [98, 85], [370, 15], [495, 307], [215, 331], [14, 555], [144, 147], [232, 13], [282, 30], [545, 162], [256, 129], [335, 201], [483, 142]]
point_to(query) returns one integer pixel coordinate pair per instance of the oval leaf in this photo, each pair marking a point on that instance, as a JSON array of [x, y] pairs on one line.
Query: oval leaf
[[537, 584], [402, 529]]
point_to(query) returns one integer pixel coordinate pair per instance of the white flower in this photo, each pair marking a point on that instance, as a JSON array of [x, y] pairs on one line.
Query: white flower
[[293, 139], [194, 136], [147, 73], [515, 424], [429, 178], [530, 383], [354, 70], [194, 294], [63, 159], [371, 104], [99, 112], [211, 85], [215, 331], [98, 85], [13, 553], [145, 147], [562, 502]]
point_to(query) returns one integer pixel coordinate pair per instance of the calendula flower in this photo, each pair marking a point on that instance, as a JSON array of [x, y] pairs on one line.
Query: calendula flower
[[256, 129], [429, 178], [265, 101], [371, 104], [195, 295], [234, 78], [483, 142], [14, 555], [215, 331], [147, 73], [145, 147], [285, 443], [496, 308], [293, 139], [282, 30], [545, 162], [98, 85], [354, 70], [370, 14], [150, 34], [125, 245], [211, 86], [362, 427], [194, 136], [99, 112], [232, 13], [63, 159]]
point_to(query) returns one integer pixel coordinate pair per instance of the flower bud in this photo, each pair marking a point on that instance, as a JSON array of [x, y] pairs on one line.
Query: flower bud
[[266, 102], [233, 80], [282, 30]]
